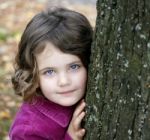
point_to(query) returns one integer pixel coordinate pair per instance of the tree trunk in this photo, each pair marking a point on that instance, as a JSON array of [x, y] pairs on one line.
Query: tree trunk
[[118, 94]]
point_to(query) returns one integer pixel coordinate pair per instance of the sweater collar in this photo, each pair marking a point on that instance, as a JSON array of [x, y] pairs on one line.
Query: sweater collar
[[60, 114]]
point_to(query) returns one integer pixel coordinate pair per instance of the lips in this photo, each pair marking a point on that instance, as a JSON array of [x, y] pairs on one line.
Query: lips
[[66, 92]]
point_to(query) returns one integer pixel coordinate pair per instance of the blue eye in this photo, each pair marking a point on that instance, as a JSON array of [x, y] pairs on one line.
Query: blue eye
[[74, 66], [49, 72]]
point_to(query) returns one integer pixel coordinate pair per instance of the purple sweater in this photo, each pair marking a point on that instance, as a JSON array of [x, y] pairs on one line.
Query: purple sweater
[[41, 120]]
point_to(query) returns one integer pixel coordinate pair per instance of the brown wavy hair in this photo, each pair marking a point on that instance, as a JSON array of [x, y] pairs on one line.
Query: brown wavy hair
[[68, 30]]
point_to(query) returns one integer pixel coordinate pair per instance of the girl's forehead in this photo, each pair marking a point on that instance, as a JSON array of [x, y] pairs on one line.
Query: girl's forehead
[[51, 56], [51, 50]]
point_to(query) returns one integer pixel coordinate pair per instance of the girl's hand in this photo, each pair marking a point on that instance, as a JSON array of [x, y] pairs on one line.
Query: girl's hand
[[74, 130]]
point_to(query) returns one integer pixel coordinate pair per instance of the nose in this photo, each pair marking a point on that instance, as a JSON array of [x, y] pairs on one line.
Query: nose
[[63, 79]]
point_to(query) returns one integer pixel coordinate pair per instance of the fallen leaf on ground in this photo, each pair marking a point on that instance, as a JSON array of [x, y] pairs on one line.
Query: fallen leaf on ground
[[5, 115]]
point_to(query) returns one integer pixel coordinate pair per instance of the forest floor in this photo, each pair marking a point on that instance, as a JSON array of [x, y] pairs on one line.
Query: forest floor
[[14, 15]]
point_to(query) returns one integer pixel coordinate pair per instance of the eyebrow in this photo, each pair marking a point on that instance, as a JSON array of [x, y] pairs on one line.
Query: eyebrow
[[53, 67], [78, 61]]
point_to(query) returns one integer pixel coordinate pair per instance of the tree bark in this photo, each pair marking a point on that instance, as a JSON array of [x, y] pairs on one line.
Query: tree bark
[[118, 94]]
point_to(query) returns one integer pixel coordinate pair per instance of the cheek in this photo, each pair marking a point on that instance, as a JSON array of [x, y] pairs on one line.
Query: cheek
[[82, 79], [46, 85]]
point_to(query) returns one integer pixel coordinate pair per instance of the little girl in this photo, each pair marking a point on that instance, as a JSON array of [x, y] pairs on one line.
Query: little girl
[[51, 75]]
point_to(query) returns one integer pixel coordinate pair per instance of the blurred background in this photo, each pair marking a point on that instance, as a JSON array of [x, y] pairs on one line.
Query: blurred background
[[14, 15]]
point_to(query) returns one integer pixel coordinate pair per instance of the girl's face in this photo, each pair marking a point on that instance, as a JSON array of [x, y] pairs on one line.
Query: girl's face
[[62, 76]]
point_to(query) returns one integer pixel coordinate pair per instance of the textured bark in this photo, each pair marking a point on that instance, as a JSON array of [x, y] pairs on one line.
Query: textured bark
[[118, 95]]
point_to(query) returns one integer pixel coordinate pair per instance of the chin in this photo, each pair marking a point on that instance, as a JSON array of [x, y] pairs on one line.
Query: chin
[[68, 103]]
